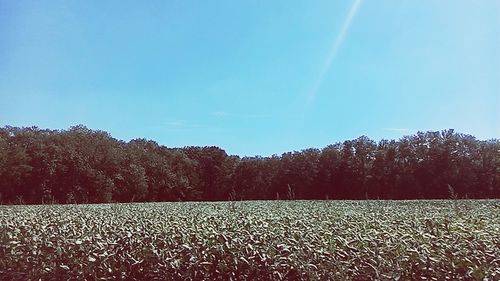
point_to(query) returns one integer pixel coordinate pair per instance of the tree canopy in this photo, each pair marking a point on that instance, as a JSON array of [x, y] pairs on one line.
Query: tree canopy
[[80, 165]]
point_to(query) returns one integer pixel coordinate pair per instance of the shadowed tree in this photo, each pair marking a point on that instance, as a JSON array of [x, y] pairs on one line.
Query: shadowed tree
[[211, 170], [328, 165], [81, 165], [364, 155]]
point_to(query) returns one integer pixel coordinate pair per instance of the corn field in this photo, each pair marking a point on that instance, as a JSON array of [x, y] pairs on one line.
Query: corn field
[[253, 240]]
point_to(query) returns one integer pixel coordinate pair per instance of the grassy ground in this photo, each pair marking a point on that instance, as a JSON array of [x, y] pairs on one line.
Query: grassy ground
[[308, 240]]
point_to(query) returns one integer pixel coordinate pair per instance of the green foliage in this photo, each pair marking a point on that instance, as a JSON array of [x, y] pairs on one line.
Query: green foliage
[[81, 165], [259, 240]]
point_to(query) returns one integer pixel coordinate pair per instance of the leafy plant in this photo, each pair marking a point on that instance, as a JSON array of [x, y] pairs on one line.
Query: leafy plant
[[258, 240]]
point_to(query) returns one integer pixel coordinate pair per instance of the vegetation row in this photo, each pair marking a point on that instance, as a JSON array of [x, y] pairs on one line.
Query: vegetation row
[[80, 165], [253, 240]]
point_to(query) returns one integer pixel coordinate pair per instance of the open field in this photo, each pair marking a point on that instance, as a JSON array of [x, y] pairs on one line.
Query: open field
[[308, 240]]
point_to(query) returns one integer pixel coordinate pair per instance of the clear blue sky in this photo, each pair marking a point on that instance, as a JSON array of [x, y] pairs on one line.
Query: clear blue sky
[[253, 77]]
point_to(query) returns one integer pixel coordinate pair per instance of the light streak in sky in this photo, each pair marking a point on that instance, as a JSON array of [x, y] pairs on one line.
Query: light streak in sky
[[339, 39]]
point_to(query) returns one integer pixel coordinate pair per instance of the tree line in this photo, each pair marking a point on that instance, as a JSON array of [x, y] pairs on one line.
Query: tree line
[[80, 165]]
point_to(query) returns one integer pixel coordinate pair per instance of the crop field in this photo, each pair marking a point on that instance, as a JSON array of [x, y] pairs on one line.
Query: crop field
[[253, 240]]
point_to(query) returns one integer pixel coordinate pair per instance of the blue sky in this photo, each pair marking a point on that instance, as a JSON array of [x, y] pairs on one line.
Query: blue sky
[[253, 77]]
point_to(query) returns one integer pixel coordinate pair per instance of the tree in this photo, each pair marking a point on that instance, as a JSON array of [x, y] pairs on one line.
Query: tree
[[80, 165], [364, 155], [211, 170], [328, 166]]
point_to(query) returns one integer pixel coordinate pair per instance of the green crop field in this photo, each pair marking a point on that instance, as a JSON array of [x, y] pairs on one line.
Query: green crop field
[[260, 240]]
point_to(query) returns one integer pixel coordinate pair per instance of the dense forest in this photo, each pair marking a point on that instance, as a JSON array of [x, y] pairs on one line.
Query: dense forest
[[80, 165]]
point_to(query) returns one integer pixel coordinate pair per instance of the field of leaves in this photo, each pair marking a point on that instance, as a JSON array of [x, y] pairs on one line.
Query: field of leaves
[[260, 240]]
